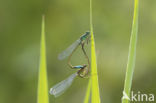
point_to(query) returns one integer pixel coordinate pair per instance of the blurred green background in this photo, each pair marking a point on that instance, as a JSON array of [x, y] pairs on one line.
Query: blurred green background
[[66, 20]]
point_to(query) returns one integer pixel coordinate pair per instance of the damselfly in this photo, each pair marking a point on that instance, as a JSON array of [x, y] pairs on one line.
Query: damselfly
[[62, 86], [72, 47]]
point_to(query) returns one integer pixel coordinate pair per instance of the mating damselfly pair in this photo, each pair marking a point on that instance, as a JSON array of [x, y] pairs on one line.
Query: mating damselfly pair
[[83, 70]]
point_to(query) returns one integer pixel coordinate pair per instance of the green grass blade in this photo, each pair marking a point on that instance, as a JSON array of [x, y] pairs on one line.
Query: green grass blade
[[42, 78], [94, 75], [86, 100], [132, 53], [95, 98]]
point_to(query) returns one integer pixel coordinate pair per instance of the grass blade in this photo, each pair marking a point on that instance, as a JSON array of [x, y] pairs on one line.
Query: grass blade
[[86, 100], [42, 78], [94, 75], [132, 53], [95, 98]]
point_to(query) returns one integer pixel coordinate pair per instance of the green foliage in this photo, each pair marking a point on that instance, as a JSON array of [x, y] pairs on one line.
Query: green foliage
[[95, 98], [93, 83], [86, 100], [132, 53], [42, 78]]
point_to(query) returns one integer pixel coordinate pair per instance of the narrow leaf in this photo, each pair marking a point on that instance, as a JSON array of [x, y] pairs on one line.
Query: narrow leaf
[[132, 55], [94, 74], [95, 98], [86, 100], [42, 78]]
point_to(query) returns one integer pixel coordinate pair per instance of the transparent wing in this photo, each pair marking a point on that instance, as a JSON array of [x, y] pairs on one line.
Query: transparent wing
[[61, 87], [69, 50]]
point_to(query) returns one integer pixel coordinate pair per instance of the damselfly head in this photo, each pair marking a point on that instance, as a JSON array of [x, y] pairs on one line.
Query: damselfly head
[[87, 32], [85, 36]]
